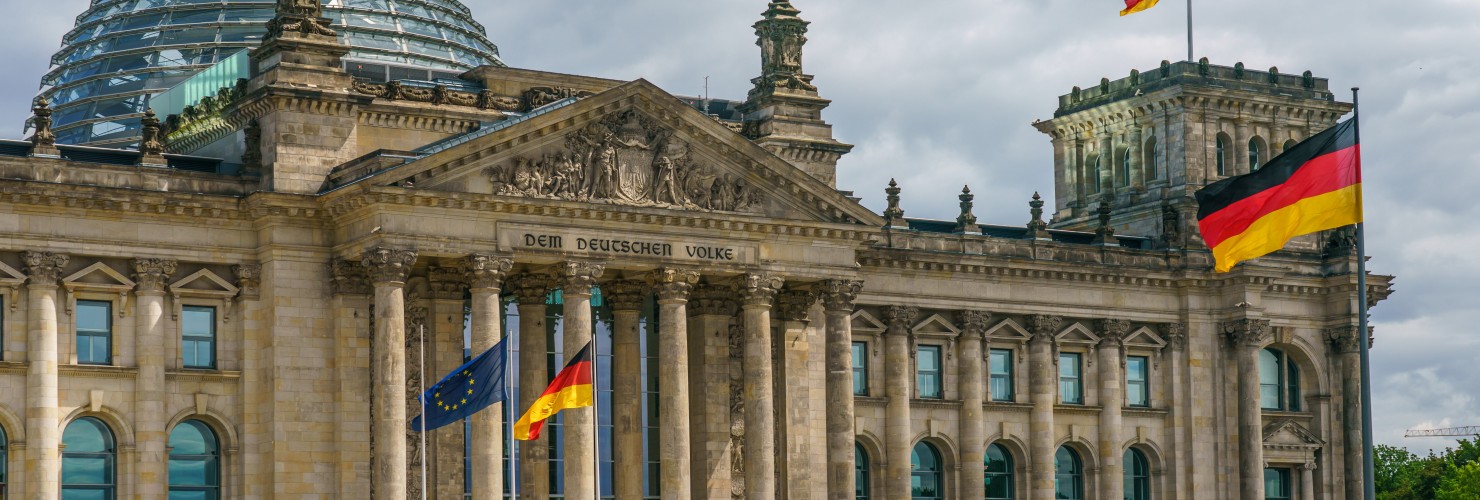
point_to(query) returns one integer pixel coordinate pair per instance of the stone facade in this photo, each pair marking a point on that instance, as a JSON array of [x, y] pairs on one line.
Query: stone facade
[[327, 270]]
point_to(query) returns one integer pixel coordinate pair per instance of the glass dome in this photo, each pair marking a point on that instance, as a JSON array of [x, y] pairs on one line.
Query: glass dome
[[122, 52]]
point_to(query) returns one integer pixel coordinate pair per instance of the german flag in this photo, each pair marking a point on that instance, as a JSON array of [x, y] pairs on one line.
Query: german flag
[[1134, 6], [1314, 186], [572, 388]]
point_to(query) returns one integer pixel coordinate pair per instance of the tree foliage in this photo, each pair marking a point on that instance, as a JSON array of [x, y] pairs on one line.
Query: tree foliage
[[1452, 475]]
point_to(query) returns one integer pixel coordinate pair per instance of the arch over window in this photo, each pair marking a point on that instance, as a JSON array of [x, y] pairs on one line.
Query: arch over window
[[925, 473], [1222, 156], [1279, 381], [860, 472], [998, 465], [1137, 475], [1068, 475], [195, 462], [1148, 159], [1256, 153], [89, 461]]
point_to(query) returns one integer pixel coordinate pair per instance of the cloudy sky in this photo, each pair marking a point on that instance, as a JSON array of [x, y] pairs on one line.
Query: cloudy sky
[[940, 93]]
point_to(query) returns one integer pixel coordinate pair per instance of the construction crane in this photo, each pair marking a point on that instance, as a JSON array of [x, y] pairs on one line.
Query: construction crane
[[1450, 432]]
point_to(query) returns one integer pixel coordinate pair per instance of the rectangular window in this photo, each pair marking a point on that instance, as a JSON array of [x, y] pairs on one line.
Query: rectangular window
[[928, 373], [198, 337], [1071, 389], [1277, 484], [860, 369], [1001, 374], [1136, 392], [94, 332]]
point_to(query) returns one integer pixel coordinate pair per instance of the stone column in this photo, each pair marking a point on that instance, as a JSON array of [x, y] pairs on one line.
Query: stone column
[[1108, 164], [151, 276], [672, 287], [1138, 165], [1241, 147], [579, 424], [1112, 399], [756, 293], [626, 298], [43, 424], [973, 392], [1277, 136], [793, 351], [1081, 177], [531, 289], [1247, 336], [1346, 344], [838, 298], [711, 309], [350, 287], [897, 379], [1180, 437], [1308, 482], [1043, 391], [485, 276], [444, 353], [388, 268]]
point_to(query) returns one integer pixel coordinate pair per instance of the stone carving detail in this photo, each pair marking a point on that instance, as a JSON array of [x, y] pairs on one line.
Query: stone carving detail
[[1044, 327], [1343, 339], [482, 271], [1341, 242], [974, 324], [712, 300], [1037, 228], [252, 148], [209, 110], [737, 411], [348, 278], [577, 277], [248, 280], [1246, 332], [756, 289], [781, 35], [672, 284], [1112, 331], [536, 97], [893, 212], [44, 138], [388, 265], [531, 288], [625, 159], [44, 268], [1307, 80], [900, 318], [839, 295], [298, 16], [151, 275], [151, 141], [446, 283], [1104, 234], [966, 221], [795, 304], [416, 320], [626, 295], [1176, 335], [1171, 226]]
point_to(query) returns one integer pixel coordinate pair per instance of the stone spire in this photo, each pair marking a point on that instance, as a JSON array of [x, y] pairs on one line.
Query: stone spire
[[966, 222], [44, 141], [893, 215], [783, 111], [1037, 228], [1104, 234], [151, 141]]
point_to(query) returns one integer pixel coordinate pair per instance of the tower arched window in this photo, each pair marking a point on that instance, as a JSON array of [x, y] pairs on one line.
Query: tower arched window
[[89, 461], [998, 473], [1068, 475], [1222, 157], [925, 473], [1125, 168], [195, 462], [1279, 381], [1256, 154], [860, 472], [1095, 173], [1137, 475], [1148, 159]]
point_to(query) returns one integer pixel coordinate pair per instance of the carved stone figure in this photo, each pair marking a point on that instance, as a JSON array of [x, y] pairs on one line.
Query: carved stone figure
[[151, 141], [43, 138], [298, 16]]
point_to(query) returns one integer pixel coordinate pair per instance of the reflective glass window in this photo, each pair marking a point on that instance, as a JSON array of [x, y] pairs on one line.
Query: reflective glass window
[[245, 34], [198, 336], [130, 62], [186, 57], [94, 332], [925, 473], [189, 36], [1068, 475], [4, 460], [135, 40], [1277, 484], [860, 369], [1271, 379], [1137, 481], [404, 73], [927, 361], [247, 15], [1137, 392], [432, 49], [413, 9], [369, 20], [420, 28], [195, 462], [1071, 386], [114, 129], [144, 21], [196, 16], [999, 365], [860, 473], [999, 472], [374, 41], [72, 113], [1149, 161], [88, 461], [1222, 156], [1255, 155]]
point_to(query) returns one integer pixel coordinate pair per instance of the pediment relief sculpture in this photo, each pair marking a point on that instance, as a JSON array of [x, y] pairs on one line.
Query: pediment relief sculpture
[[625, 159]]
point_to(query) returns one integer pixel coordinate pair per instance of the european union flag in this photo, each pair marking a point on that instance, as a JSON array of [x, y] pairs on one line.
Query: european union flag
[[471, 387]]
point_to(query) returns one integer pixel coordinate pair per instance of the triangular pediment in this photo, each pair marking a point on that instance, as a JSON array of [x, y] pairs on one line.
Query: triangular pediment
[[98, 275], [631, 146], [1009, 330], [204, 282], [1077, 333], [1145, 337], [10, 275], [1287, 432], [936, 325], [863, 322]]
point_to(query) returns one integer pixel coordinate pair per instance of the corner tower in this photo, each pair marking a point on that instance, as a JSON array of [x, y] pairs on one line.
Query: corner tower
[[1153, 138], [783, 113]]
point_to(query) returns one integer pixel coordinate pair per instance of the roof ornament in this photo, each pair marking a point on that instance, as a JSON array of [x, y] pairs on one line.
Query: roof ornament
[[1037, 229], [1105, 235], [781, 35], [299, 16], [893, 215], [1171, 226], [43, 142], [151, 142], [966, 222]]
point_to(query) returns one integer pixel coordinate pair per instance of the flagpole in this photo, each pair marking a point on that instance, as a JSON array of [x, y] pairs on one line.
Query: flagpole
[[596, 416], [1369, 485], [509, 394], [422, 398], [1189, 30]]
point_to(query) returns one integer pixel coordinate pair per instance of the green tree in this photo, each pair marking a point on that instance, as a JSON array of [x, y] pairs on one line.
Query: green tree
[[1460, 483]]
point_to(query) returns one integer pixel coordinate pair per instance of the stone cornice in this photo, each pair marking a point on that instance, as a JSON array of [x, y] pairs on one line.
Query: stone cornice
[[146, 202]]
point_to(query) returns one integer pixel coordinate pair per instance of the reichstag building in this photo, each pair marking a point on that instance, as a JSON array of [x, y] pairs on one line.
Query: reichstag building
[[229, 263]]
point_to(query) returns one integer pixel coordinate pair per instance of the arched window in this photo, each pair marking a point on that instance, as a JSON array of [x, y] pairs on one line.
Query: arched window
[[1289, 144], [1256, 154], [1095, 173], [1279, 381], [860, 472], [88, 461], [1148, 159], [1068, 475], [4, 459], [925, 480], [999, 473], [1137, 476], [195, 462], [1222, 157], [1125, 168]]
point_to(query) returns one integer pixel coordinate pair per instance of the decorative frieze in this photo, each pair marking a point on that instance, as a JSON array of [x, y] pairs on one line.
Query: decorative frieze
[[1246, 332], [484, 271], [839, 295], [152, 275], [44, 268], [672, 284], [388, 265], [348, 278]]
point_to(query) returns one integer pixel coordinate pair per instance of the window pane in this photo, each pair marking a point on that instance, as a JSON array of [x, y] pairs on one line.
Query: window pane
[[860, 369], [1000, 366], [928, 361], [1293, 386], [1069, 384], [1270, 380], [1136, 379], [93, 315]]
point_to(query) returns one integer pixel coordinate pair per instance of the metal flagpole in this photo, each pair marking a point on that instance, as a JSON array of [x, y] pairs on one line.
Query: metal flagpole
[[596, 416], [509, 394], [1369, 485], [422, 398], [1189, 30]]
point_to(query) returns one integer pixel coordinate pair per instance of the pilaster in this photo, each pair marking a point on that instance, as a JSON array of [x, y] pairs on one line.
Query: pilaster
[[150, 276], [897, 379], [838, 302], [43, 434], [350, 308]]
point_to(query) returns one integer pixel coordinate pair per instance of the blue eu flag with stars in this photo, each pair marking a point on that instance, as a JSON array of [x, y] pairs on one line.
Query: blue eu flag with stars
[[471, 387]]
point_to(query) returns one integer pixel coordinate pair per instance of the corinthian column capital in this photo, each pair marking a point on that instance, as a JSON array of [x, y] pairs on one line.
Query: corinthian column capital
[[1113, 331], [900, 318], [712, 300], [839, 295], [44, 268], [625, 295], [1044, 327], [756, 289], [577, 277], [1251, 333], [974, 324], [484, 271], [1344, 339], [151, 275], [531, 288], [795, 304], [672, 284], [388, 266], [348, 278], [248, 279]]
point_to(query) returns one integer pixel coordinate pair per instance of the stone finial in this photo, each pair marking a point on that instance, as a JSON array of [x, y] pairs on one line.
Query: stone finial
[[893, 215], [1246, 332], [577, 277], [388, 265], [974, 324], [1104, 86], [1341, 242], [348, 278], [756, 290], [1037, 228], [248, 279], [1104, 234], [44, 268], [1166, 68], [1307, 80], [44, 141], [625, 295], [966, 221], [151, 275], [1274, 75], [781, 33], [900, 318], [1113, 331], [1135, 77], [672, 284], [446, 283], [151, 142], [252, 150], [712, 300], [1044, 327], [485, 271], [298, 16], [839, 295], [1171, 226]]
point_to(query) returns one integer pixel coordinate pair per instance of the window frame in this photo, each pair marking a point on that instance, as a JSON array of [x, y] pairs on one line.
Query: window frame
[[1125, 168], [859, 353], [938, 474], [861, 472], [1136, 480], [1148, 159], [937, 373], [1075, 475], [1221, 155], [107, 335], [1008, 476], [1286, 384], [212, 461], [1144, 382], [109, 457], [1284, 476], [1077, 379], [1007, 376], [213, 339], [1256, 154]]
